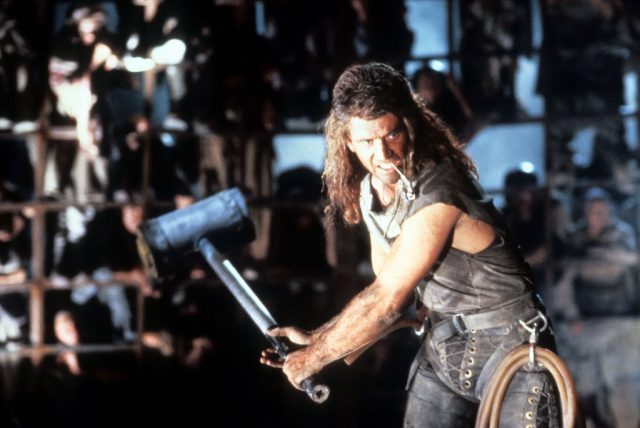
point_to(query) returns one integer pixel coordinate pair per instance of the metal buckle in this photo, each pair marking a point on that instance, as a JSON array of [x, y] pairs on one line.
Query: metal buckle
[[534, 332], [420, 331], [534, 321], [458, 323]]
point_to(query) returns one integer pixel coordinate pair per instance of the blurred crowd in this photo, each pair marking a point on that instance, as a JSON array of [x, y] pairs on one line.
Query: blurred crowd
[[114, 111]]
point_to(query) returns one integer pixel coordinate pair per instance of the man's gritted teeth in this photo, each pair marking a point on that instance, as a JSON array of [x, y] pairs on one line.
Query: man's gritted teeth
[[387, 172], [388, 166]]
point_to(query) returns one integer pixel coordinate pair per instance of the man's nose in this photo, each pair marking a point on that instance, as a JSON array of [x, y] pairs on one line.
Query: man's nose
[[381, 149]]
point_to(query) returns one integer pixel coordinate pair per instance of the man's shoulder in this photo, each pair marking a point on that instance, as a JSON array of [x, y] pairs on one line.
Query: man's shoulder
[[445, 175], [441, 169]]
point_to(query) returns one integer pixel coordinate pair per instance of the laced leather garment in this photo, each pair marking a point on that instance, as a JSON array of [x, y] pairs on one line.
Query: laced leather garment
[[496, 280]]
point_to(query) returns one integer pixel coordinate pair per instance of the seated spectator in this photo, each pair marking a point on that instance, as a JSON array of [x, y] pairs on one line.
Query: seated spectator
[[66, 332], [600, 277], [98, 300], [121, 259], [595, 306]]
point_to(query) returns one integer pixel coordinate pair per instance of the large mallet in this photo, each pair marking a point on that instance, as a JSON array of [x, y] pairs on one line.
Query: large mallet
[[212, 225]]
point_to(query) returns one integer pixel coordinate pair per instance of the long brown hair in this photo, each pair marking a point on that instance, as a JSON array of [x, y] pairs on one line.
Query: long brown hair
[[370, 91]]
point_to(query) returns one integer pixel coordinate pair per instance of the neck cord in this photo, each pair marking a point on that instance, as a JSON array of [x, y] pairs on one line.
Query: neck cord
[[406, 184]]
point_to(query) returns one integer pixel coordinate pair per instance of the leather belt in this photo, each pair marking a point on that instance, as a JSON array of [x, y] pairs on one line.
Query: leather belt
[[447, 325]]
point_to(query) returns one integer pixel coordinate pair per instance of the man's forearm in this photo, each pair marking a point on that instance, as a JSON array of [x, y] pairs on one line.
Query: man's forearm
[[315, 334], [366, 318]]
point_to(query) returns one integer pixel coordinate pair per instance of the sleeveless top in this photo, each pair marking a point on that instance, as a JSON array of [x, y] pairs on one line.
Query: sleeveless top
[[458, 282]]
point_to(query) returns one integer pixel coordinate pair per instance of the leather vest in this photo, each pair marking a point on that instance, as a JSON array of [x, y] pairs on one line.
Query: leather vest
[[491, 288], [459, 281]]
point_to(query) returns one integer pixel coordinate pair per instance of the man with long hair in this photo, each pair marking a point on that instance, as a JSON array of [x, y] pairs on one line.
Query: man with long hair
[[396, 166]]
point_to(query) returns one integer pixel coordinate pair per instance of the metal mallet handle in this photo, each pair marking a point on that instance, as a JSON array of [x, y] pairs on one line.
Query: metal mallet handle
[[316, 391], [256, 310]]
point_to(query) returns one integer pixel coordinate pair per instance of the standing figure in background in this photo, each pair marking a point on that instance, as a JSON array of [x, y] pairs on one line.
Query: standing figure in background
[[582, 66], [393, 164], [381, 32], [494, 33], [80, 49], [538, 229], [155, 35], [20, 88], [443, 97]]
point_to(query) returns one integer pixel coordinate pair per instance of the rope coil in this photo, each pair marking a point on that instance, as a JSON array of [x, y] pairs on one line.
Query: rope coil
[[518, 358]]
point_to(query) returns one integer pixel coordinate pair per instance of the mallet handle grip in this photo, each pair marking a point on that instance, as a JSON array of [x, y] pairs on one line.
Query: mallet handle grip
[[256, 310]]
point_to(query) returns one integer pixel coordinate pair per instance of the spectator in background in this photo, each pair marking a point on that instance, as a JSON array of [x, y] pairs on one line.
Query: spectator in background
[[155, 35], [208, 53], [300, 40], [121, 267], [232, 85], [66, 333], [581, 72], [494, 33], [14, 240], [97, 299], [631, 20], [13, 271], [16, 170], [600, 278], [80, 50], [537, 228], [20, 95], [298, 244], [595, 304], [15, 252], [166, 179], [311, 43], [69, 388], [121, 253], [443, 97], [381, 32], [241, 83]]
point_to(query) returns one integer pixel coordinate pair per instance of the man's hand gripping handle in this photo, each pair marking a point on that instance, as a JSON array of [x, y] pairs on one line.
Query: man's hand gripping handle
[[255, 309], [312, 386]]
